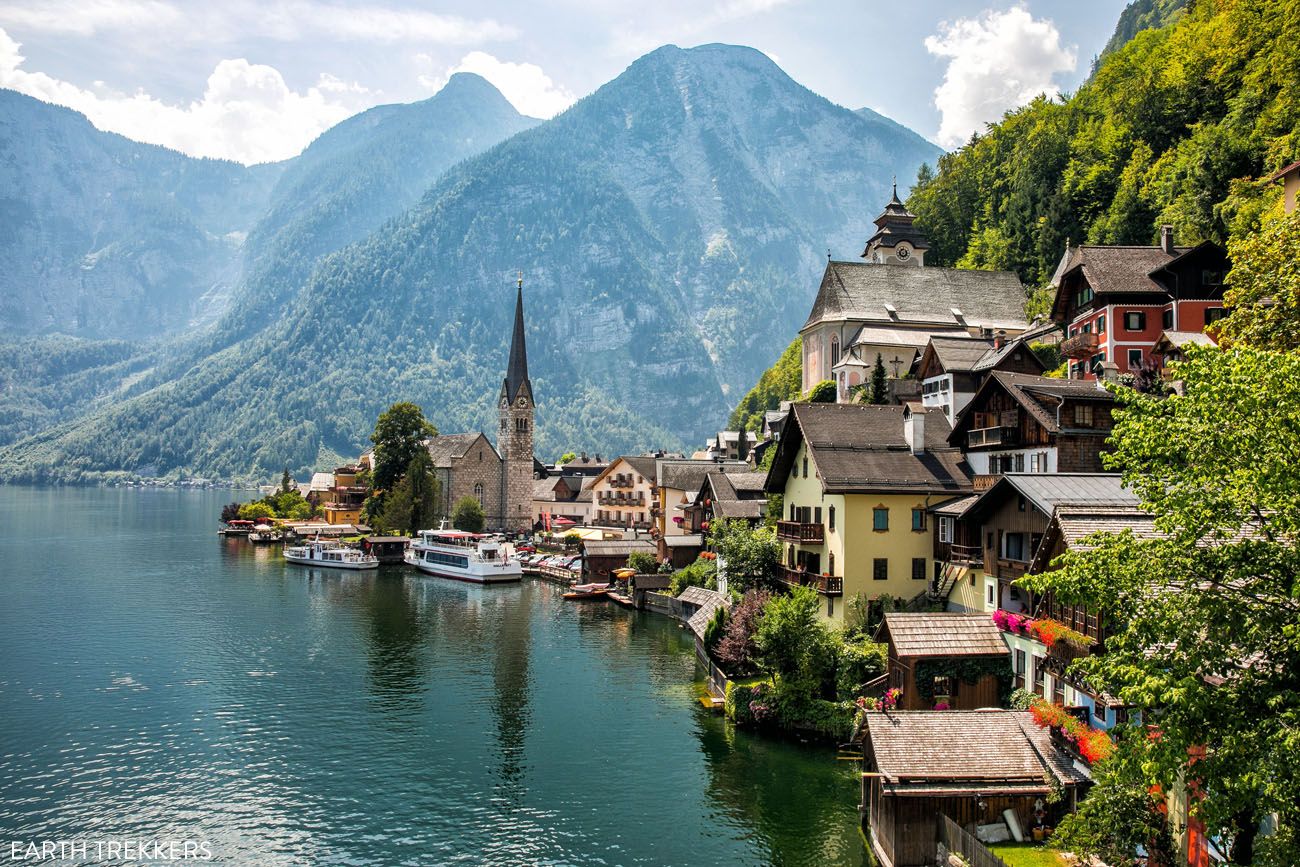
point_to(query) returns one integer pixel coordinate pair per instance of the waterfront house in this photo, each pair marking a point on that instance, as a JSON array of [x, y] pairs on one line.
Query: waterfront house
[[562, 498], [342, 503], [731, 495], [951, 369], [945, 660], [1017, 423], [857, 483], [969, 765], [677, 482], [1114, 302], [892, 304], [623, 494], [1290, 178], [601, 557]]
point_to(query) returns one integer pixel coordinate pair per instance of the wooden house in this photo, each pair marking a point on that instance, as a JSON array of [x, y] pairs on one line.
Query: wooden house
[[600, 557], [946, 658], [968, 765], [951, 368]]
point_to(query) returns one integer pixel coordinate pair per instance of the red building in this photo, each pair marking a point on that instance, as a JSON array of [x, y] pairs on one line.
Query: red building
[[1116, 303]]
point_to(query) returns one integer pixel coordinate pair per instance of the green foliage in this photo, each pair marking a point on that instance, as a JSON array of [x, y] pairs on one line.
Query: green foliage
[[1215, 588], [823, 392], [860, 661], [1120, 813], [750, 554], [256, 511], [878, 390], [715, 630], [736, 650], [289, 504], [1162, 132], [782, 381], [567, 458], [286, 482], [399, 434], [1263, 293], [857, 616], [790, 635], [701, 573], [643, 562], [412, 505], [1020, 699], [467, 515], [1048, 353]]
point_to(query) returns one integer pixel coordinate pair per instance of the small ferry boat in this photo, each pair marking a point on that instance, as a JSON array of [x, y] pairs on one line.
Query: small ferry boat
[[264, 533], [587, 591], [331, 554], [474, 557]]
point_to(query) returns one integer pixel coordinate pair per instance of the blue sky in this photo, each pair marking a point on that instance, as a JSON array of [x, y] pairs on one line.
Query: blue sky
[[256, 80]]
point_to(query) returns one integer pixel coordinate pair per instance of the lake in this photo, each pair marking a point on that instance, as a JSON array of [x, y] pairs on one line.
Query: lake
[[159, 682]]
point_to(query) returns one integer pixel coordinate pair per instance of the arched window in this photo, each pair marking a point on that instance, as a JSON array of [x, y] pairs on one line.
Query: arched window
[[478, 492], [835, 350]]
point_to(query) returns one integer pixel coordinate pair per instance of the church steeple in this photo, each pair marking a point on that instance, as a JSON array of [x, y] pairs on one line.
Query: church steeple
[[517, 369], [896, 240]]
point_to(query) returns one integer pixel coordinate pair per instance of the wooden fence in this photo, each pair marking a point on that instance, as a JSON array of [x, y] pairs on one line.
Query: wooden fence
[[955, 838]]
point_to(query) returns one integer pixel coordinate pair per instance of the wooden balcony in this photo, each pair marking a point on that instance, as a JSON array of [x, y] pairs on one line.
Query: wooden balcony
[[1011, 569], [1080, 346], [827, 585], [983, 481], [800, 533], [966, 555], [993, 436]]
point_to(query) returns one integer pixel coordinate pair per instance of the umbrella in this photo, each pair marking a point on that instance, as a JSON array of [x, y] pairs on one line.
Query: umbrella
[[563, 522]]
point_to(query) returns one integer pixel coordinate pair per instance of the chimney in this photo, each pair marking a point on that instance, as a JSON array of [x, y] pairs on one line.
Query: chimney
[[999, 339], [1167, 238], [914, 428]]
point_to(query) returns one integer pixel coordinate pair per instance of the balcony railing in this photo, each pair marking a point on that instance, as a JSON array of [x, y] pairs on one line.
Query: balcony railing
[[1080, 346], [1011, 569], [799, 532], [984, 481], [827, 585], [967, 555], [993, 436]]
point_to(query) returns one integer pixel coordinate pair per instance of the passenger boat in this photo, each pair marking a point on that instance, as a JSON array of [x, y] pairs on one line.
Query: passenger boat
[[331, 554], [475, 557], [265, 533], [587, 591], [236, 528]]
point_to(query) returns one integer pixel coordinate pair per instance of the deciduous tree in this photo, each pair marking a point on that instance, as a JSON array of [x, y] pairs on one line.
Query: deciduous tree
[[467, 515], [400, 432]]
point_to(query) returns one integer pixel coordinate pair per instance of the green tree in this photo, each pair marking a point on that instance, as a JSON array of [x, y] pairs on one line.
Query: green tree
[[1264, 287], [1203, 616], [256, 511], [781, 382], [289, 505], [823, 392], [400, 432], [879, 390], [412, 505], [467, 515], [567, 458], [750, 555], [286, 482], [789, 633], [643, 562]]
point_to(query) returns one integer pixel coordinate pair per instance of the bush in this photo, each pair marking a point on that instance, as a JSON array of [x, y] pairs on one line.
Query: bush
[[736, 650], [1020, 699], [859, 662], [715, 630], [643, 562], [256, 511], [701, 573], [823, 392], [468, 516]]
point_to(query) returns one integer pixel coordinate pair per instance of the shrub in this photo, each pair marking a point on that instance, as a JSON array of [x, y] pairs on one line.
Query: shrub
[[643, 562], [859, 662], [1020, 699], [714, 631], [467, 516], [701, 573], [736, 650]]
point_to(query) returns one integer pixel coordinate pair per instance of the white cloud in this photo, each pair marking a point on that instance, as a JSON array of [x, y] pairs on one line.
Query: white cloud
[[528, 88], [280, 20], [997, 61], [87, 17], [247, 113]]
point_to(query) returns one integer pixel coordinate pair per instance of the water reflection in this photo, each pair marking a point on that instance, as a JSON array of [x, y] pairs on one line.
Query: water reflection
[[396, 635]]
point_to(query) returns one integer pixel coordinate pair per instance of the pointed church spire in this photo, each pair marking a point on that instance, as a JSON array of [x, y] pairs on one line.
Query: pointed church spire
[[517, 370]]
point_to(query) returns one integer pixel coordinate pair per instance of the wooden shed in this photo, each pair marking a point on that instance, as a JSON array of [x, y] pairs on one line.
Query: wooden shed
[[958, 659], [967, 765], [600, 557], [389, 549]]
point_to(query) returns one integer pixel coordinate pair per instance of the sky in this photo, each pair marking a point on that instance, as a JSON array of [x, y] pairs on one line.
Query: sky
[[257, 80]]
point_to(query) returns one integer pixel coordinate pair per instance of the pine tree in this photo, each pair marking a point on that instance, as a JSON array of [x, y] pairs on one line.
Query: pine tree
[[286, 482], [879, 391]]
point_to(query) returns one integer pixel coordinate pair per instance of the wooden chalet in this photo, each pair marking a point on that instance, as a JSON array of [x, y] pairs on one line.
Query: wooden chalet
[[600, 557], [938, 648], [969, 765]]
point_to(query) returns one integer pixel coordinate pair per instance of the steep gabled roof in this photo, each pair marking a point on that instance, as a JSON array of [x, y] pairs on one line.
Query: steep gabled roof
[[1038, 395], [683, 475], [446, 448], [920, 296], [860, 448], [1049, 492], [943, 633], [642, 465]]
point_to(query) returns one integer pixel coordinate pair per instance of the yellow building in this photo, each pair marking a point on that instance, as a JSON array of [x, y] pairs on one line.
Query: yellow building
[[857, 483], [342, 503]]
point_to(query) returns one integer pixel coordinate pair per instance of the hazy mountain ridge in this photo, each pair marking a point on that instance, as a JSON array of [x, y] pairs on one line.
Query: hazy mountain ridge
[[672, 226]]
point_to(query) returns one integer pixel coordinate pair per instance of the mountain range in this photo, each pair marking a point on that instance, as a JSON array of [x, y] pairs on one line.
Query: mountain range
[[670, 227]]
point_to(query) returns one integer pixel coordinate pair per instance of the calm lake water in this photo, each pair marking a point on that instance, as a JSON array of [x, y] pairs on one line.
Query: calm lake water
[[159, 682]]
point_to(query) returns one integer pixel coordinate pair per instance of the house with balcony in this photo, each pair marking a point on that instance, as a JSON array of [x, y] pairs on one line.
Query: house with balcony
[[566, 497], [1114, 303], [857, 482], [678, 524], [343, 501], [728, 494], [945, 660], [951, 369], [623, 495], [1017, 423]]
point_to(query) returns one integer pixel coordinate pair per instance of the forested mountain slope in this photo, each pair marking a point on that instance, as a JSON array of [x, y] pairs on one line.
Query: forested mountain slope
[[671, 226]]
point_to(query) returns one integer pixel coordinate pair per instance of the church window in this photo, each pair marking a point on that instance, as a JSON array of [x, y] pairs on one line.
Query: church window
[[478, 492], [835, 349]]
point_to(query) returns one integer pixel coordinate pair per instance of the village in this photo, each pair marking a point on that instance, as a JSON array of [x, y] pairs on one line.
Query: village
[[859, 569]]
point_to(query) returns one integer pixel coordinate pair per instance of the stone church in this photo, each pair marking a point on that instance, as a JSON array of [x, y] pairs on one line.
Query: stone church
[[500, 477]]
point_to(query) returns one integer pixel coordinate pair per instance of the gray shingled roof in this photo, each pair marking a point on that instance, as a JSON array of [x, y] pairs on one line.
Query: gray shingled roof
[[644, 465], [1111, 270], [746, 510], [690, 475], [445, 448], [709, 602], [617, 547], [1050, 491], [918, 750], [944, 633], [956, 507], [860, 291], [1038, 395], [859, 448]]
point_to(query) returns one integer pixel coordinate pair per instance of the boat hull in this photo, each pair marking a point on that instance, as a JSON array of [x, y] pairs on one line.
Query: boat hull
[[330, 564], [496, 576]]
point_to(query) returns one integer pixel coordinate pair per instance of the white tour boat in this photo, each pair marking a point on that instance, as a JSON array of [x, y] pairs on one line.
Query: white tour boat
[[474, 557], [331, 554]]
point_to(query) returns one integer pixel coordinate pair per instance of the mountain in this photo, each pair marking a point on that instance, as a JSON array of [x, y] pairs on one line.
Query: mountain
[[780, 382], [1143, 15], [671, 225], [1173, 127], [101, 236], [349, 181]]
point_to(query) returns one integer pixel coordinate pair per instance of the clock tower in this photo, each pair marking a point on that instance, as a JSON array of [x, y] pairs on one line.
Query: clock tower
[[515, 439], [896, 241]]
